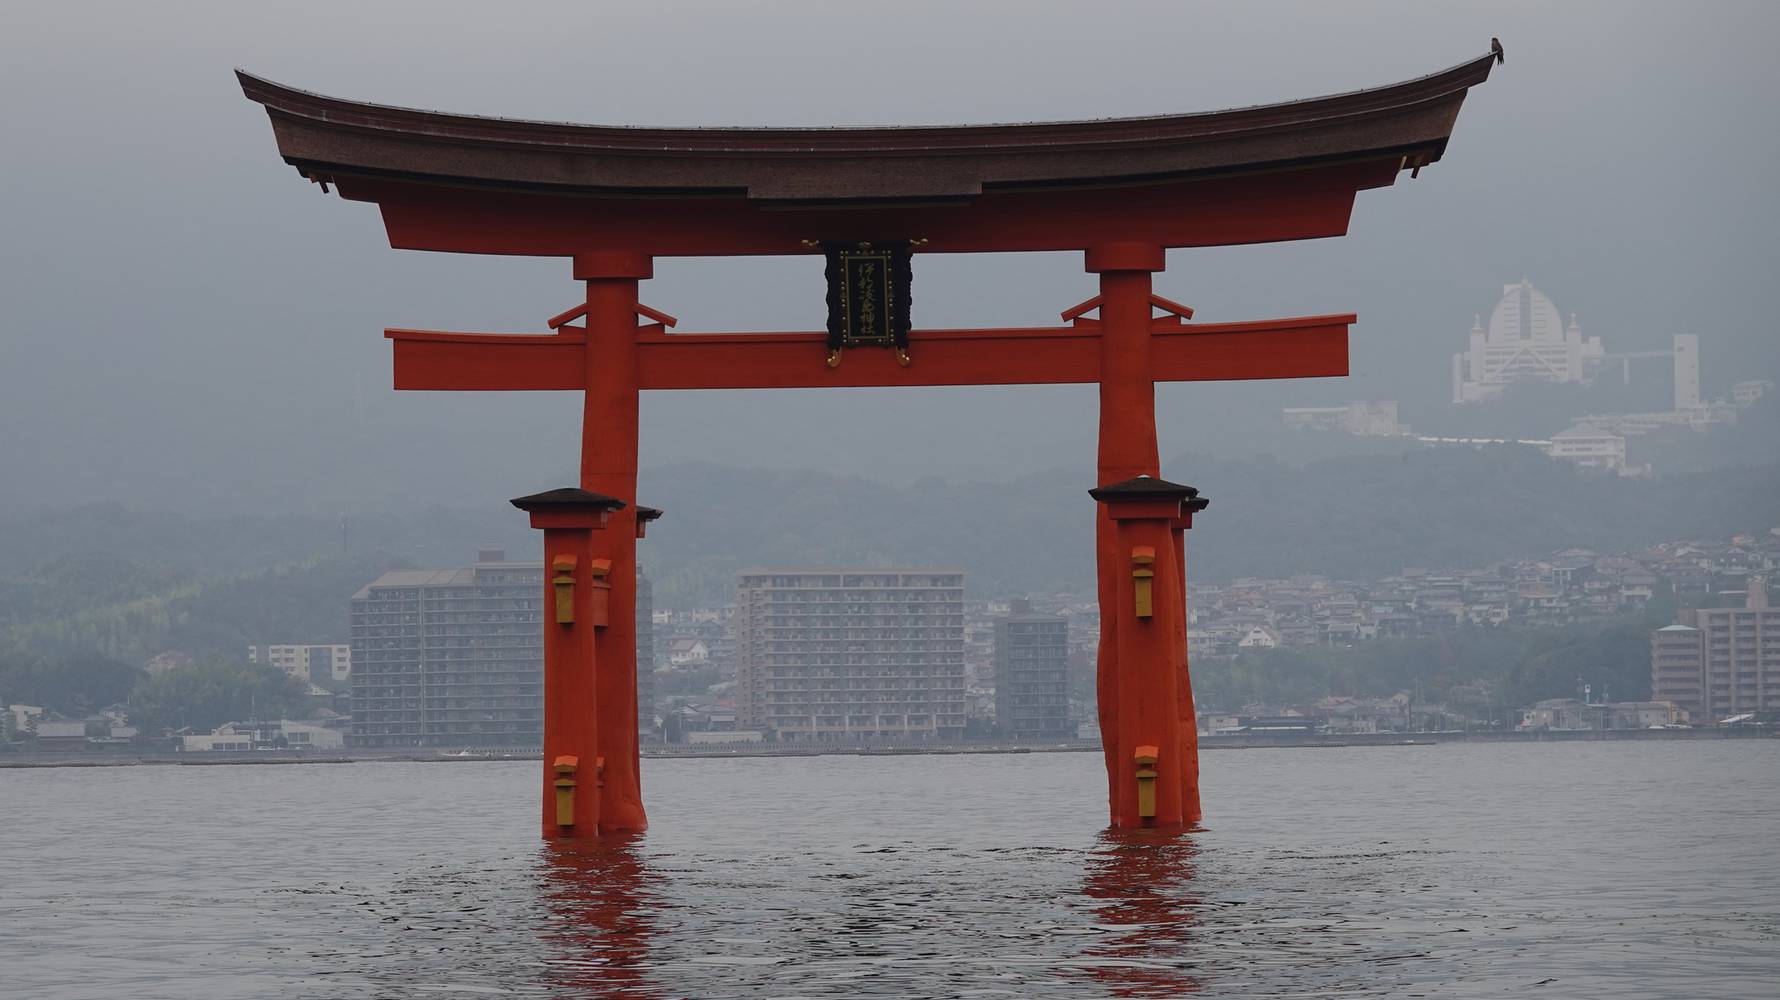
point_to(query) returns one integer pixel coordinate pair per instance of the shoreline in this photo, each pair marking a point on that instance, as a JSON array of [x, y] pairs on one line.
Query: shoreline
[[734, 751]]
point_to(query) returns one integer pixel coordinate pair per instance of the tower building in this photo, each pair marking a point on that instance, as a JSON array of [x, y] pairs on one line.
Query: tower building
[[455, 657], [1687, 371], [645, 653], [1717, 663], [1032, 675], [851, 654]]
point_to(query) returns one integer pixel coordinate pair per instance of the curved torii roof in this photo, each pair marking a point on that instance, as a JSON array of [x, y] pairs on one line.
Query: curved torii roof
[[328, 138]]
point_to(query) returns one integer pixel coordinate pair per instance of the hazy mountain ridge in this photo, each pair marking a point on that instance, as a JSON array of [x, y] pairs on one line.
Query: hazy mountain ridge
[[1363, 516], [132, 582]]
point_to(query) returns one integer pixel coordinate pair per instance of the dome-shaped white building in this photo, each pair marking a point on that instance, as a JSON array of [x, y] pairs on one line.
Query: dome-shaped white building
[[1526, 339]]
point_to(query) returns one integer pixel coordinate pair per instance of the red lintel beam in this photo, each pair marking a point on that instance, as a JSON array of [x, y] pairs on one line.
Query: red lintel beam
[[1305, 347], [477, 361]]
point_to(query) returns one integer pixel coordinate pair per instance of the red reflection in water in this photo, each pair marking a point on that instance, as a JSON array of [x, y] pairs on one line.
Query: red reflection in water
[[600, 918], [1142, 881]]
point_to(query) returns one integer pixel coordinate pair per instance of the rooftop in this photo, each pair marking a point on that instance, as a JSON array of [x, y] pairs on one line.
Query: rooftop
[[1147, 488], [568, 498], [327, 138]]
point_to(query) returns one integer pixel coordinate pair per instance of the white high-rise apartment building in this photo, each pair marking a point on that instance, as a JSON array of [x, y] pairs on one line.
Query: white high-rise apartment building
[[850, 654], [1718, 663], [455, 657], [1687, 371]]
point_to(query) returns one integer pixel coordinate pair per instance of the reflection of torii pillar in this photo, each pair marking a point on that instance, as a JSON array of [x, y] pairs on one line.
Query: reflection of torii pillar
[[1156, 779]]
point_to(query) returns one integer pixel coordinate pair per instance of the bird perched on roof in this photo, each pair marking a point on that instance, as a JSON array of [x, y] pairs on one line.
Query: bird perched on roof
[[1496, 50]]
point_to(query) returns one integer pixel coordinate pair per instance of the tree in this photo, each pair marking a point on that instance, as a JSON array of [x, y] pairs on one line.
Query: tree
[[206, 695], [1614, 662], [73, 684]]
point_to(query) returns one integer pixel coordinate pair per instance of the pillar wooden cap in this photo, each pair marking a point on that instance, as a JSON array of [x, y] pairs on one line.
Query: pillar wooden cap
[[569, 499], [1147, 497], [644, 516], [1188, 509], [569, 508], [1144, 488]]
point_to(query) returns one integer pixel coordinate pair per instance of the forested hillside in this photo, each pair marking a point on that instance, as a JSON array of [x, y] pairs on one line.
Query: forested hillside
[[1481, 671], [1357, 516], [129, 583]]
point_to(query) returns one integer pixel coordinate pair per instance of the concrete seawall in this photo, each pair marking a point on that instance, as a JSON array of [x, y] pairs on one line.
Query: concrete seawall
[[1242, 741]]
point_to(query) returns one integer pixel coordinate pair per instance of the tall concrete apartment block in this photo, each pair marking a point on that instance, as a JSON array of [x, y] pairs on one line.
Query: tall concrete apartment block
[[645, 652], [455, 657], [851, 654], [1032, 675], [1720, 662], [1687, 371]]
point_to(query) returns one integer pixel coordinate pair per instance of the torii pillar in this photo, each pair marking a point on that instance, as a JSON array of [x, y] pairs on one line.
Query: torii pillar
[[1127, 448], [576, 609], [1156, 781], [609, 427]]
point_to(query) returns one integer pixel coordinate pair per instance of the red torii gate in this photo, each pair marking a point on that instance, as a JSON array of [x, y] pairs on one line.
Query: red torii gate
[[1121, 191]]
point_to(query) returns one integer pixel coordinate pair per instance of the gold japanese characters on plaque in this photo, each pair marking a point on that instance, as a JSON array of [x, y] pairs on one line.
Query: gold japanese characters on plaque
[[868, 296]]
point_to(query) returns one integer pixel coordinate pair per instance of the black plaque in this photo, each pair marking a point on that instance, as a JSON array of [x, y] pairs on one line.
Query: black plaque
[[868, 294]]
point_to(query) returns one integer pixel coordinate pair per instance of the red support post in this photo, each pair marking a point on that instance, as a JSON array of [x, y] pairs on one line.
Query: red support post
[[1154, 756], [1189, 715], [571, 520], [609, 465], [1127, 448]]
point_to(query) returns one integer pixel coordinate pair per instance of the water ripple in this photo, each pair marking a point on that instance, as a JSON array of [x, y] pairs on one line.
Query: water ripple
[[1570, 870]]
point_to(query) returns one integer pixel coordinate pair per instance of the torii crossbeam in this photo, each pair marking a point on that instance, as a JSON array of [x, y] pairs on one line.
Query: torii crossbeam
[[1120, 191], [1305, 347]]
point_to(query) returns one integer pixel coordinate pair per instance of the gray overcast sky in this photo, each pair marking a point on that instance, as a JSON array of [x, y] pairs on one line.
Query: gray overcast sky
[[189, 324]]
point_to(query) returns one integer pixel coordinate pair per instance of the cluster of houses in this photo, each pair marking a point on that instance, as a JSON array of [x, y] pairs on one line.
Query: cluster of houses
[[51, 731], [110, 729], [696, 638], [326, 714], [1401, 713], [1565, 587], [1223, 620]]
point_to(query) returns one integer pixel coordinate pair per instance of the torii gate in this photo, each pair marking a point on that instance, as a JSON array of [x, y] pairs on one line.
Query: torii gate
[[611, 199]]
